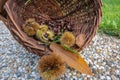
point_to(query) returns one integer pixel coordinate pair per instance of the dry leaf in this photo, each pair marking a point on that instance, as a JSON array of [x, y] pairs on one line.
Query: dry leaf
[[73, 60], [80, 40]]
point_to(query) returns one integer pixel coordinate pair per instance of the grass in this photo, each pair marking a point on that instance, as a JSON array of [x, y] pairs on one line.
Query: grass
[[111, 18]]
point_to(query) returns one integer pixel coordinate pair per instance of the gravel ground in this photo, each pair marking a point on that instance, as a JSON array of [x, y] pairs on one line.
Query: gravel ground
[[103, 56]]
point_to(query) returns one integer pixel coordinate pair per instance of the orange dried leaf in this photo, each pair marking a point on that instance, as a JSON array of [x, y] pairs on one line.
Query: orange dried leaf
[[73, 60]]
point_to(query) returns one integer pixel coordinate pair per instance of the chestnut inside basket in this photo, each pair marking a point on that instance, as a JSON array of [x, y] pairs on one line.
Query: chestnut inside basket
[[83, 16]]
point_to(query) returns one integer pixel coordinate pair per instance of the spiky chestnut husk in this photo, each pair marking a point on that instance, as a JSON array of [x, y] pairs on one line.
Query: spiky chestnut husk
[[44, 36], [43, 28], [50, 34], [51, 67], [68, 39], [39, 35], [30, 27]]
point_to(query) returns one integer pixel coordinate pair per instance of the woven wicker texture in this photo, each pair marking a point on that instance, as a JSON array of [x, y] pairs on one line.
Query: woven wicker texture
[[83, 16]]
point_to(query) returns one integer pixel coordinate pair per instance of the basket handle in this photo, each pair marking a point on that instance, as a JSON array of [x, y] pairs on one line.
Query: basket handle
[[2, 11]]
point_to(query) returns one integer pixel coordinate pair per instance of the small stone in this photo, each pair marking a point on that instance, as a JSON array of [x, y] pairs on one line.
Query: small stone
[[74, 77], [100, 71], [108, 78], [102, 77], [99, 51], [29, 76], [34, 73], [0, 77], [81, 78], [6, 74], [99, 63], [113, 77], [74, 73], [20, 69], [112, 70], [78, 75], [28, 69], [19, 74], [6, 79], [38, 79], [85, 78], [117, 72], [68, 70], [22, 79], [65, 79], [4, 65], [70, 74]]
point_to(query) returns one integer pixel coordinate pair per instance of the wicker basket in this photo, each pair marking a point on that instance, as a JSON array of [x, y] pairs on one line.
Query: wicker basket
[[83, 15]]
